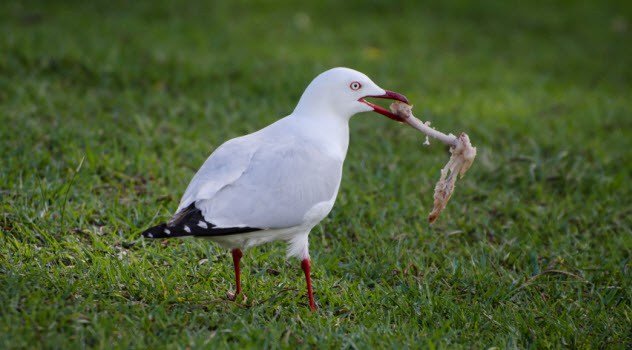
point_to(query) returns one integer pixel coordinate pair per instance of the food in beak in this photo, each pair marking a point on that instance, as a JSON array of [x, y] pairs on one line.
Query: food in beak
[[461, 158]]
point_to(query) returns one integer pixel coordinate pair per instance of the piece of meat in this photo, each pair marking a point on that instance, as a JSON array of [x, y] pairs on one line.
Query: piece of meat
[[461, 158]]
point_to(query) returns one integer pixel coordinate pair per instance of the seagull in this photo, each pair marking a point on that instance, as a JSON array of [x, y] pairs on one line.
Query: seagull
[[281, 181]]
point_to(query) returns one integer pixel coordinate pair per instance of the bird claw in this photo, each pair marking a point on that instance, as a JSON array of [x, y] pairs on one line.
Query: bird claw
[[233, 297]]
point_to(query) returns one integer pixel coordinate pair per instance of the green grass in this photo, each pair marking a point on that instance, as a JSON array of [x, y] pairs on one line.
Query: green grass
[[107, 109]]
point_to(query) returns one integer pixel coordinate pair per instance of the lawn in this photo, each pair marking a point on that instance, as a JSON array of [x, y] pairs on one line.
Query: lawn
[[108, 108]]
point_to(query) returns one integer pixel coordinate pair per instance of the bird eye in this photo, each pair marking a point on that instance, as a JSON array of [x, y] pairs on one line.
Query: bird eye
[[355, 85]]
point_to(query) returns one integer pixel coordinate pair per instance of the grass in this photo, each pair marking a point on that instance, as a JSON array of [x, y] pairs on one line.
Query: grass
[[108, 108]]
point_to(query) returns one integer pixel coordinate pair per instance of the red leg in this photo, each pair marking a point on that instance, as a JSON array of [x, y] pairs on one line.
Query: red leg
[[236, 257], [305, 264]]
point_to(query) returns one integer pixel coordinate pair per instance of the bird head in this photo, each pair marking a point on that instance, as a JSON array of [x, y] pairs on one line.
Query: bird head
[[343, 92]]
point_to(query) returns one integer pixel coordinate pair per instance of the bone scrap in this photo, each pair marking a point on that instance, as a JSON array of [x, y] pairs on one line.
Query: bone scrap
[[462, 156]]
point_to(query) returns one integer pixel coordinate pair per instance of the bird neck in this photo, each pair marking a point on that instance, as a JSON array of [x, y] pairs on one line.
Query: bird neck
[[329, 130], [308, 107]]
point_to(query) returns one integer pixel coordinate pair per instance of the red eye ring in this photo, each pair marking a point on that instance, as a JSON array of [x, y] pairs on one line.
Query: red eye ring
[[355, 85]]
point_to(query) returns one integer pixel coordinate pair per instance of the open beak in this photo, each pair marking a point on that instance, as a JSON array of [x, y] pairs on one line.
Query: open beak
[[379, 109]]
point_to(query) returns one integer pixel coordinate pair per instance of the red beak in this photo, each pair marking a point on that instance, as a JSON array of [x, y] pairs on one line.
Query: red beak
[[379, 109]]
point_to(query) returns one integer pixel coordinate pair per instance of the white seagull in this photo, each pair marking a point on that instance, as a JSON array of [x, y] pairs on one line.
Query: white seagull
[[281, 181]]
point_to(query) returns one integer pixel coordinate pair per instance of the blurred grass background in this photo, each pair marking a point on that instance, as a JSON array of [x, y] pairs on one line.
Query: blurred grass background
[[107, 108]]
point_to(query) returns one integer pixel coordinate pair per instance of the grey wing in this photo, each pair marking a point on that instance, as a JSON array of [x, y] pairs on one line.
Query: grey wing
[[281, 183], [223, 167]]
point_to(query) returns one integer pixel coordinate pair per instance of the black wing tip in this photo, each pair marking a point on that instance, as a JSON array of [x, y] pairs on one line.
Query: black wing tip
[[166, 231], [160, 231], [191, 222]]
